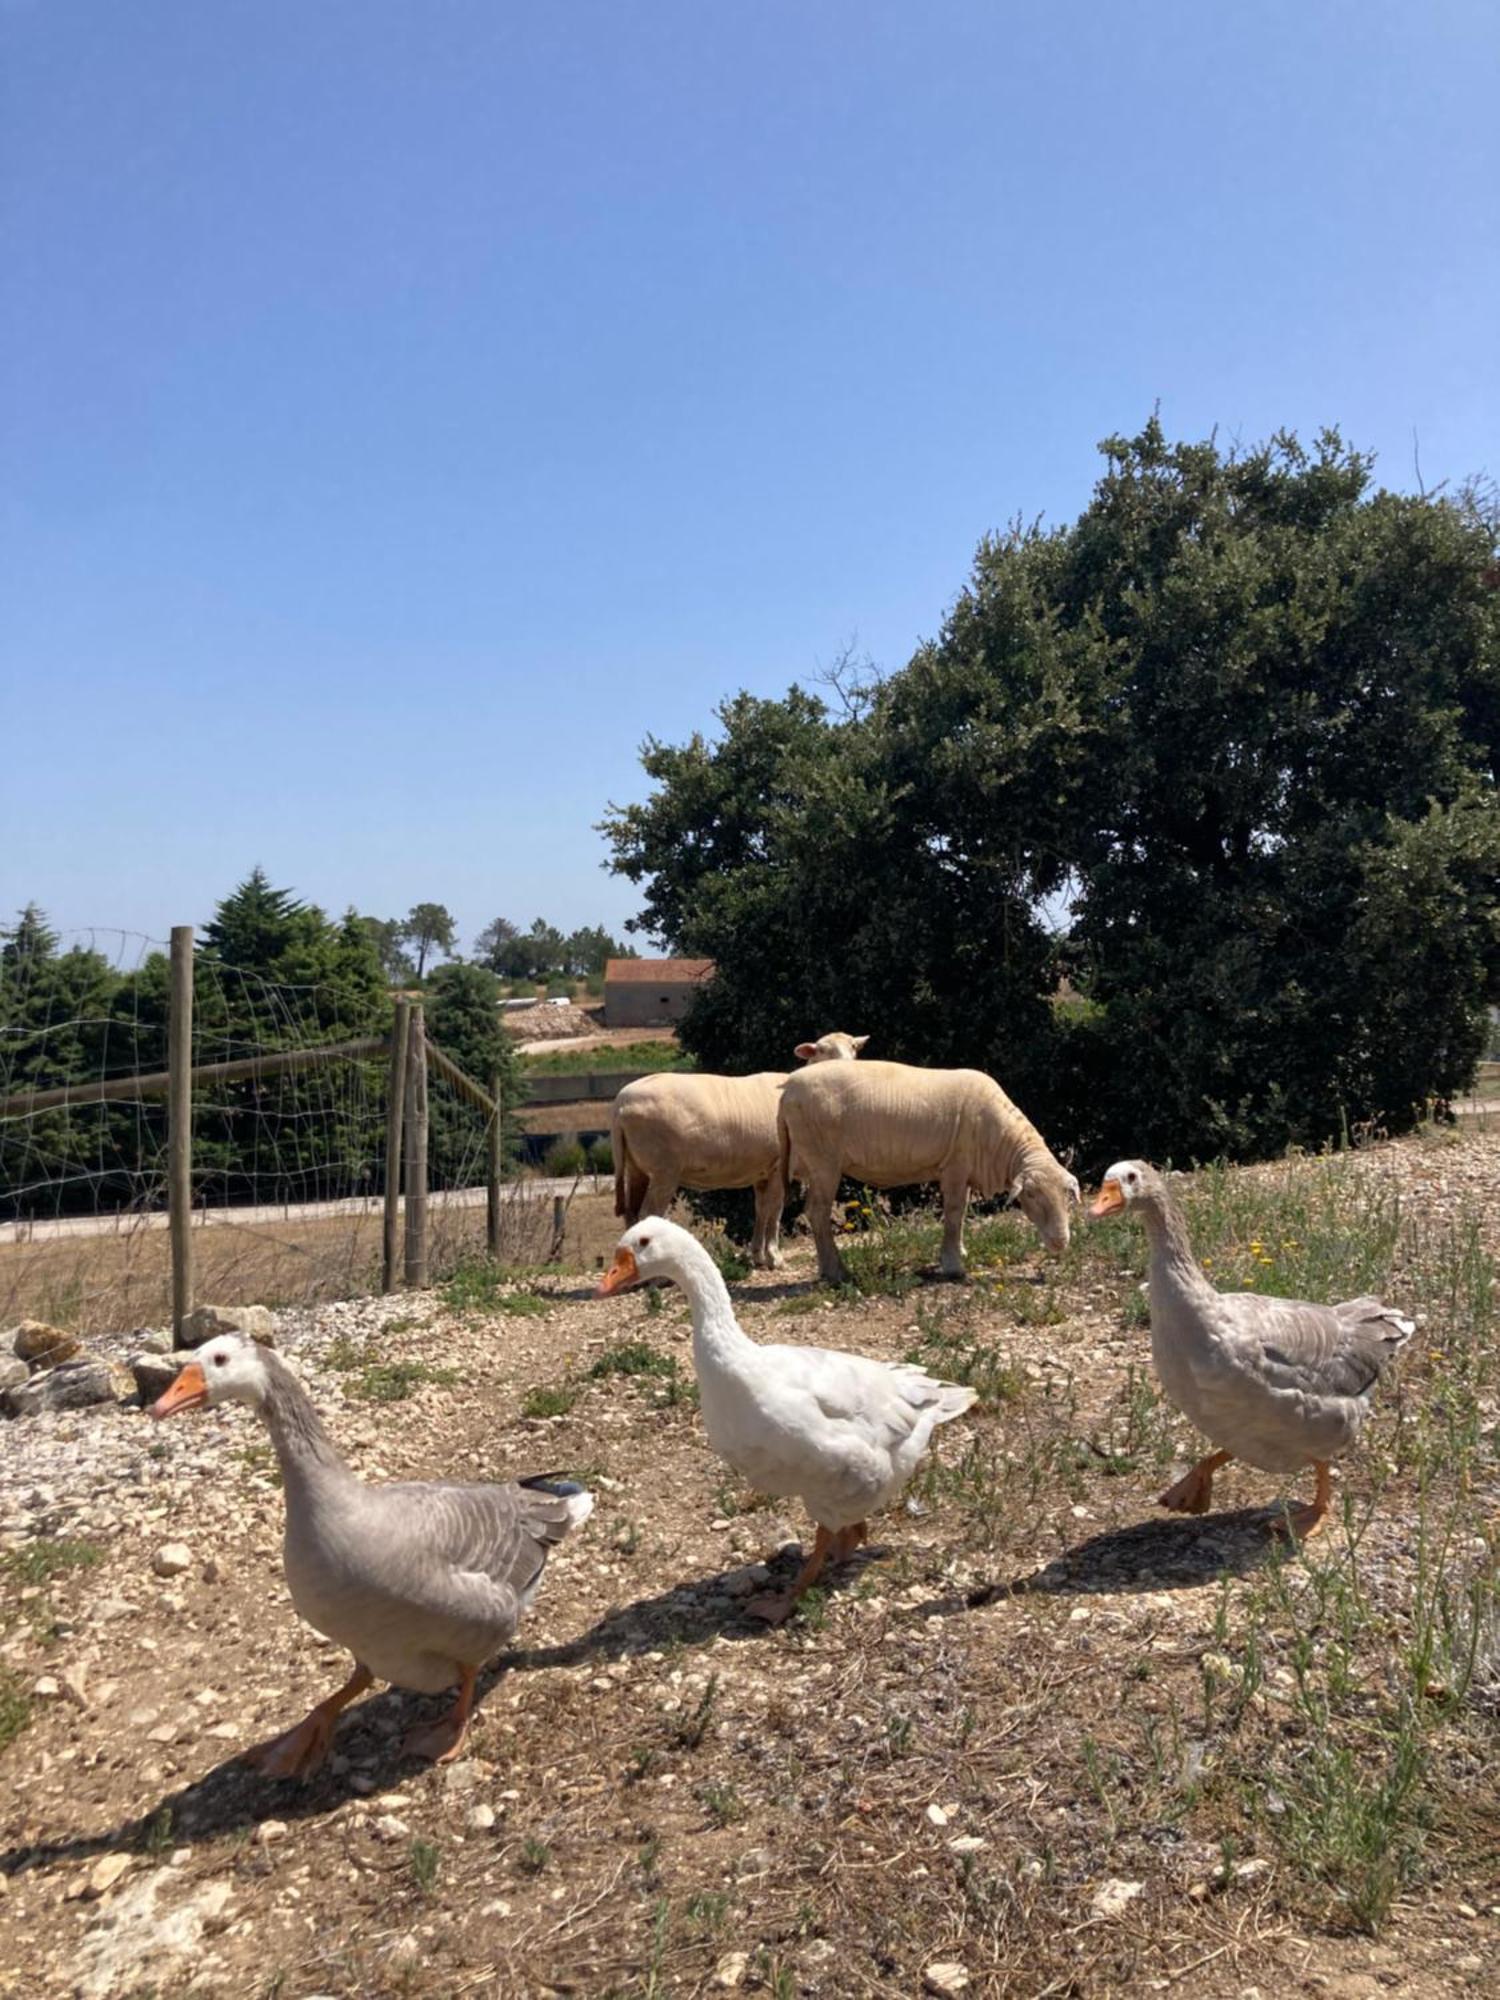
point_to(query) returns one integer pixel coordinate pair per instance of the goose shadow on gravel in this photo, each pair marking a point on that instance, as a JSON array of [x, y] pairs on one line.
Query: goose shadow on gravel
[[230, 1798], [1172, 1554]]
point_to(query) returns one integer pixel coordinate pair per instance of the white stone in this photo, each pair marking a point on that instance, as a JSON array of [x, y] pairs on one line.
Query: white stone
[[105, 1872], [945, 1976], [481, 1818], [731, 1969], [1111, 1898], [172, 1559]]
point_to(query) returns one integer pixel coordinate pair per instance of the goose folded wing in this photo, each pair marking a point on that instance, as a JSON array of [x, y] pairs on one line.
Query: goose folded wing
[[478, 1538], [883, 1401], [1309, 1349]]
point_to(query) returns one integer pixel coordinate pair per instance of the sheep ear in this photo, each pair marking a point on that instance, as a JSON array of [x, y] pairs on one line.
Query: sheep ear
[[806, 1050], [859, 1041], [1013, 1192], [1075, 1190]]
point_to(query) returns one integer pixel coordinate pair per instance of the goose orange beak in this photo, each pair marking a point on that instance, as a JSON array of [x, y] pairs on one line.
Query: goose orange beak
[[620, 1276], [188, 1392], [1110, 1200]]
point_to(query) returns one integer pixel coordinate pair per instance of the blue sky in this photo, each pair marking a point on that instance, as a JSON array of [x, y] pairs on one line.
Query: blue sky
[[407, 408]]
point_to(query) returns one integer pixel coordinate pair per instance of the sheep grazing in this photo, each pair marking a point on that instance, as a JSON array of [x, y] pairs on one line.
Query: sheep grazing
[[893, 1125]]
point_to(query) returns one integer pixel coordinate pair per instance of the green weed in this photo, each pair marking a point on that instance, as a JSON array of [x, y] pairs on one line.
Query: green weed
[[42, 1560], [633, 1357], [394, 1381], [15, 1707], [550, 1399], [426, 1859], [722, 1803], [478, 1285]]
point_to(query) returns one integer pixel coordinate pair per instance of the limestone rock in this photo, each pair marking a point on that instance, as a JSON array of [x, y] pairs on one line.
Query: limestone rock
[[155, 1373], [172, 1559], [13, 1372], [945, 1976], [73, 1386], [43, 1346], [105, 1872], [1111, 1898], [249, 1322]]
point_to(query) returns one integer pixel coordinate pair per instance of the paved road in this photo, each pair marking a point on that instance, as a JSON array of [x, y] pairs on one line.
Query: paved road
[[287, 1212]]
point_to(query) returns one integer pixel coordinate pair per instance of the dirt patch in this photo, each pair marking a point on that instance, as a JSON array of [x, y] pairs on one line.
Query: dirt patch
[[1023, 1736], [561, 1023]]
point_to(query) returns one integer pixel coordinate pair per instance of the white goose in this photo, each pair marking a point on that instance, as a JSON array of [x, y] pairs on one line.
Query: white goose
[[1279, 1383], [839, 1431], [423, 1583]]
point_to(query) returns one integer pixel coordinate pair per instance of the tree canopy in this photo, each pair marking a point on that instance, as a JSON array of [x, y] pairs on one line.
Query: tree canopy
[[1223, 752], [429, 927], [543, 952]]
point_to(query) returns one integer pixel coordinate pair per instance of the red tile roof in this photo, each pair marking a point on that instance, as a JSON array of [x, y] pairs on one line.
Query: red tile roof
[[657, 971]]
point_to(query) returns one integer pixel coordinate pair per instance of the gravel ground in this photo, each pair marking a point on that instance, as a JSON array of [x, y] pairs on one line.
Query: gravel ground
[[659, 1796]]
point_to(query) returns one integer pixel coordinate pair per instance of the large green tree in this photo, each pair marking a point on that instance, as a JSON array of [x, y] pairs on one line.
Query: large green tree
[[1225, 750]]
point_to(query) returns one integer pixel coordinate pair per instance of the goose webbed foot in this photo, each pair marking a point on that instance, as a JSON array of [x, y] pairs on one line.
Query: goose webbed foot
[[301, 1750], [440, 1742], [1307, 1518], [1194, 1492], [777, 1606]]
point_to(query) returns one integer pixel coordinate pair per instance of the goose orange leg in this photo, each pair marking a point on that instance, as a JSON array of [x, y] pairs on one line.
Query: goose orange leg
[[1194, 1492], [776, 1608], [1308, 1518], [442, 1740], [300, 1751]]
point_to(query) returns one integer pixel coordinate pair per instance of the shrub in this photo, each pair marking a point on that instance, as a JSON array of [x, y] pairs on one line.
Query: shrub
[[565, 1156]]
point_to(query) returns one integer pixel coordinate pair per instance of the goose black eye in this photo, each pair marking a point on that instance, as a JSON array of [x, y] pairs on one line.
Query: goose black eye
[[645, 1242], [221, 1361]]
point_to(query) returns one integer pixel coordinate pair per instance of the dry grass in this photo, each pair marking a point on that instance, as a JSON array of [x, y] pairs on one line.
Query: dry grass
[[95, 1284]]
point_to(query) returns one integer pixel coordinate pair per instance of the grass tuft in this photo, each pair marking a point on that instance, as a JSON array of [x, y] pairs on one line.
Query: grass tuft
[[42, 1560]]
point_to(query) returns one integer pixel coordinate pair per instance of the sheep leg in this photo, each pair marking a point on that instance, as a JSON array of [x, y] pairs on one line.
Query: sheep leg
[[661, 1192], [955, 1206], [820, 1194], [770, 1198], [636, 1184]]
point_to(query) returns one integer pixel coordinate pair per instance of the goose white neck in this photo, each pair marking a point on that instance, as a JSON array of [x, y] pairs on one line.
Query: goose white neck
[[716, 1332]]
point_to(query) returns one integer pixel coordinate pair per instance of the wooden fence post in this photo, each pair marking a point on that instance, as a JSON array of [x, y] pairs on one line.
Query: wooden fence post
[[180, 1126], [416, 1148], [492, 1184], [395, 1106]]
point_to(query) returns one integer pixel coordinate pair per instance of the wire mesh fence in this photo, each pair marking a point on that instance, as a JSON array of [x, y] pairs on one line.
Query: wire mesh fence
[[288, 1167]]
